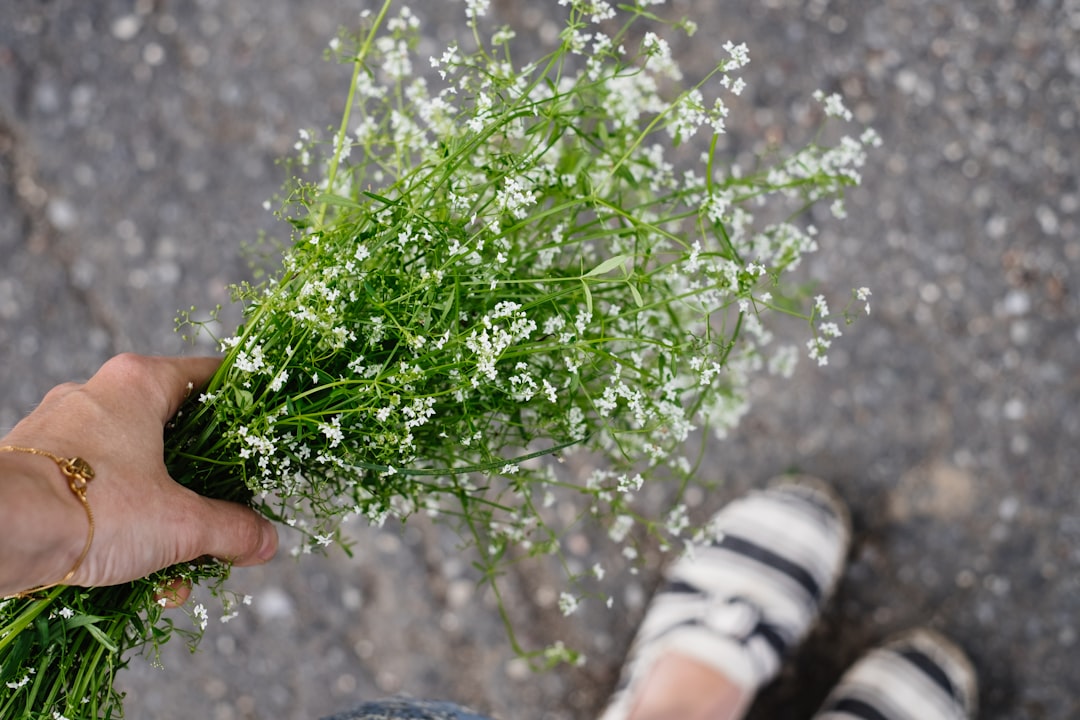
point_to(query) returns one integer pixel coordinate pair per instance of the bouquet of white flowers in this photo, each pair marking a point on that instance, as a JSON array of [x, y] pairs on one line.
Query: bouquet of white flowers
[[489, 265]]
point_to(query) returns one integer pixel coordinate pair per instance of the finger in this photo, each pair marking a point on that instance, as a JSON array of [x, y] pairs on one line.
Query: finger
[[159, 384], [59, 392], [181, 377], [162, 384], [234, 533], [175, 594]]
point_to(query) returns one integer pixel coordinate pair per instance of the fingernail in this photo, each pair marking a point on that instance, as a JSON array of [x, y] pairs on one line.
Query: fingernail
[[268, 548]]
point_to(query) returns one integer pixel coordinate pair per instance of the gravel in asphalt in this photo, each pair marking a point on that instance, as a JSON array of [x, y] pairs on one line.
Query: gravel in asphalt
[[138, 142]]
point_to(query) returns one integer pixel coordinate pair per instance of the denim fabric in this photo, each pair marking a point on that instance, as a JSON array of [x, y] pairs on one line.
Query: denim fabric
[[401, 709]]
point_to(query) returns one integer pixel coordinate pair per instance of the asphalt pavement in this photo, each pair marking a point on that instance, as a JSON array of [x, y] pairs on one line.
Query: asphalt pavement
[[138, 141]]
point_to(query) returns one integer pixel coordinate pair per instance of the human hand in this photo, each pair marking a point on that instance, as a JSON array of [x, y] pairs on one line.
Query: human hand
[[144, 520]]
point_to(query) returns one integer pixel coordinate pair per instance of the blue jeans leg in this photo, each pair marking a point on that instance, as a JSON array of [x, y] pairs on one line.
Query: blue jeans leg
[[401, 709]]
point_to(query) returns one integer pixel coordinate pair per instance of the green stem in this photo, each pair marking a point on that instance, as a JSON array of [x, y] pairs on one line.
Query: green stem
[[358, 65], [29, 615]]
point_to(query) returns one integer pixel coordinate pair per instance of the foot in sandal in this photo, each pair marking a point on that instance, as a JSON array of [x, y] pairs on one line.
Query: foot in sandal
[[731, 609], [918, 676]]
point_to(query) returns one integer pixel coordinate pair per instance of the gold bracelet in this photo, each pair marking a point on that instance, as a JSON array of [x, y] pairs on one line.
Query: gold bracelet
[[79, 474]]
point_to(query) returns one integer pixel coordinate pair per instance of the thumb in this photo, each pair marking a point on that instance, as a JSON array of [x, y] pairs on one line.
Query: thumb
[[235, 533]]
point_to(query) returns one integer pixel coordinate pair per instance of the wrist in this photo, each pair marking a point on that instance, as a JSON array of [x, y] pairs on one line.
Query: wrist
[[45, 527]]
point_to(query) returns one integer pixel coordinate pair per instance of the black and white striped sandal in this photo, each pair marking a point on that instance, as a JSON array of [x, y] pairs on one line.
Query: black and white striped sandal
[[918, 676], [738, 603]]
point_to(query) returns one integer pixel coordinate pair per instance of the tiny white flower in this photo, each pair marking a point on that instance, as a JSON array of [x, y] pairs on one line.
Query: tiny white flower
[[549, 390], [740, 54], [200, 614], [693, 263], [677, 521], [333, 431], [279, 380], [476, 8], [620, 528], [833, 104], [829, 329], [818, 350], [630, 484], [568, 603], [863, 295], [820, 306]]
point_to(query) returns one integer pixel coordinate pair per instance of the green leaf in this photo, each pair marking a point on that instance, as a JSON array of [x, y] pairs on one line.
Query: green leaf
[[16, 657], [608, 265], [380, 198], [588, 297], [102, 638], [637, 296], [161, 635], [331, 199], [42, 624], [623, 173], [446, 306], [81, 620], [535, 128], [244, 399]]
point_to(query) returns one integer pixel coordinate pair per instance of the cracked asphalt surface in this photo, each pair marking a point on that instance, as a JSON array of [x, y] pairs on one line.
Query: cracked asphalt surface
[[138, 141]]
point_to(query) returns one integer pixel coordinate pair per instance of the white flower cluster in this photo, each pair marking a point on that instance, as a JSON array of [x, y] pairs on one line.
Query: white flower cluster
[[17, 684], [514, 263], [818, 346], [200, 615], [494, 338], [596, 10], [833, 104]]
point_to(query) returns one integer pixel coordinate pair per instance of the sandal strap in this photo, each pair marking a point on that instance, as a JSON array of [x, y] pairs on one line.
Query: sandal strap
[[781, 549], [919, 676]]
